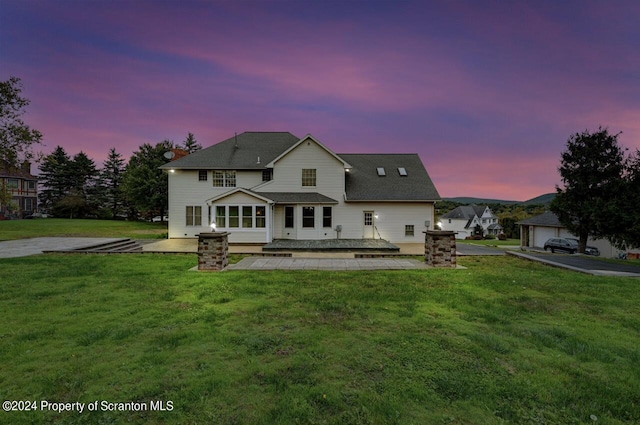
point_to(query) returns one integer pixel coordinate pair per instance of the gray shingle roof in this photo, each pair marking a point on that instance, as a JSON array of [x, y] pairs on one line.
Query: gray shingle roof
[[297, 198], [241, 156], [465, 212], [547, 219], [364, 184]]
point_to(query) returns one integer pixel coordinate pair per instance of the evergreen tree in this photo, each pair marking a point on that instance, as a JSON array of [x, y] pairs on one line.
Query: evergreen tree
[[83, 178], [55, 178], [144, 185], [191, 145], [110, 180]]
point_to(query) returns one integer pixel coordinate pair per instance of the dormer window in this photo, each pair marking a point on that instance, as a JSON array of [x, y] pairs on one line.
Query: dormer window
[[381, 172], [402, 171]]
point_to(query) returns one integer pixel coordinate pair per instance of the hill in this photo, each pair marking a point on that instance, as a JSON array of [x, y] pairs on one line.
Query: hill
[[542, 199]]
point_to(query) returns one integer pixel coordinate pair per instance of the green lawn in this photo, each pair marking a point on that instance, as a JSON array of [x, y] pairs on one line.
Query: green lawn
[[19, 229], [491, 242], [504, 341]]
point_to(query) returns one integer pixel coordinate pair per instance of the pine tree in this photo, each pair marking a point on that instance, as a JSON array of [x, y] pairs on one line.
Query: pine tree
[[191, 145], [55, 178], [111, 177]]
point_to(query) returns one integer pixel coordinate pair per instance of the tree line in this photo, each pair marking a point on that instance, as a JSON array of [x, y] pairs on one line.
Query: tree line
[[74, 187]]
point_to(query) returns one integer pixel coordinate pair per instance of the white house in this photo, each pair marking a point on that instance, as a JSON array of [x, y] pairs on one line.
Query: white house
[[261, 186], [464, 219]]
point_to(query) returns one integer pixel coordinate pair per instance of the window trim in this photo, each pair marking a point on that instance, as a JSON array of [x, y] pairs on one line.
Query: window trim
[[224, 178], [306, 219], [193, 215], [327, 224], [309, 177], [409, 231], [242, 221], [289, 220]]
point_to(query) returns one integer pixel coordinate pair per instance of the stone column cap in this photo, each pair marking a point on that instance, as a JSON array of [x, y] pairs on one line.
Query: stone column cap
[[212, 234], [440, 232]]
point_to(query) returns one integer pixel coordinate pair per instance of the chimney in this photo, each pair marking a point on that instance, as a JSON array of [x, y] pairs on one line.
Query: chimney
[[25, 167]]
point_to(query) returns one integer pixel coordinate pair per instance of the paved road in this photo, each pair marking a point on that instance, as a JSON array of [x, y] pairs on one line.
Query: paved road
[[584, 263], [468, 249], [33, 246]]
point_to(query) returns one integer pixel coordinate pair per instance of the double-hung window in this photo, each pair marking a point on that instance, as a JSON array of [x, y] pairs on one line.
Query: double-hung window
[[308, 177], [194, 216], [409, 230], [241, 216], [326, 216], [308, 217], [223, 178]]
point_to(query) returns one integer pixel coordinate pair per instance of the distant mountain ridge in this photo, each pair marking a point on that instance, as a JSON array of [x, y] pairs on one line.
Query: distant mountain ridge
[[542, 199]]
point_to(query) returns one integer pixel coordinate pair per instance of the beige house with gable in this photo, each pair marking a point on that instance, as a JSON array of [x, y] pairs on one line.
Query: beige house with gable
[[261, 186]]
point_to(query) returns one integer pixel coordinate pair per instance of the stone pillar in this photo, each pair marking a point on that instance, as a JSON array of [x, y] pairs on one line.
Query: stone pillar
[[440, 248], [213, 249]]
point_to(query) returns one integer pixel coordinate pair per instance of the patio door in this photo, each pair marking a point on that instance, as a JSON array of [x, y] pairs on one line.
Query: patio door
[[289, 228], [368, 225]]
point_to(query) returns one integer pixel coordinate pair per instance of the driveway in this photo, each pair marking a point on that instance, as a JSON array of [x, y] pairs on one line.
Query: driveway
[[583, 263], [34, 246]]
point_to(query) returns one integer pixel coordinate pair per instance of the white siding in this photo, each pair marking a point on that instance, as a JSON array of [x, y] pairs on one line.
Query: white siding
[[186, 190], [457, 226], [287, 172], [390, 221]]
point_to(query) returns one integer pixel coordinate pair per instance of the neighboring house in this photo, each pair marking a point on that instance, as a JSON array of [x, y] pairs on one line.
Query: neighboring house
[[22, 188], [266, 186], [535, 231], [463, 220]]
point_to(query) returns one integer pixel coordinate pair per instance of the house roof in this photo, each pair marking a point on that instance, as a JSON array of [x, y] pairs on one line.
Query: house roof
[[23, 172], [465, 212], [363, 183], [247, 151], [298, 197], [547, 219], [280, 197]]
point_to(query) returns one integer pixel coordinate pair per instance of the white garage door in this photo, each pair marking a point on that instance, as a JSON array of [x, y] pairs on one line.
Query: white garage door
[[541, 234]]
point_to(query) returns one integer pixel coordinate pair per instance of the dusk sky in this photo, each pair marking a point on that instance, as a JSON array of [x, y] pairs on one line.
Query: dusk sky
[[486, 92]]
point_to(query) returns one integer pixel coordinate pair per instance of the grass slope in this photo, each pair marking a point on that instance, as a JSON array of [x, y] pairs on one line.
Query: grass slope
[[505, 341], [19, 229]]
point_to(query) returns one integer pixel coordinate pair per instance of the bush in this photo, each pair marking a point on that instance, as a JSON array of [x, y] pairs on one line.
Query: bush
[[502, 237]]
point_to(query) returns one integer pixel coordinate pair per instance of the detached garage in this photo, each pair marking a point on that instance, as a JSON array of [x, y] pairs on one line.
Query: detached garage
[[535, 231]]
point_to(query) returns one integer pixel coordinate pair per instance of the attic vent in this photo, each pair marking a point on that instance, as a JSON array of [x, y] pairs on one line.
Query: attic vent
[[402, 171], [381, 172]]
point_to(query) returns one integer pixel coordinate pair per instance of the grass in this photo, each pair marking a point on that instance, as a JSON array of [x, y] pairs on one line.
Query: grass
[[19, 229], [504, 341], [491, 242]]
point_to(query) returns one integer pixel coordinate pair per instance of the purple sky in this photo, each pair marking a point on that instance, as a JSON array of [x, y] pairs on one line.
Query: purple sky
[[487, 92]]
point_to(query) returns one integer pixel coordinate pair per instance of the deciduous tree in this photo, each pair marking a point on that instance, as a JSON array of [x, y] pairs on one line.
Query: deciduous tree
[[17, 139], [591, 169]]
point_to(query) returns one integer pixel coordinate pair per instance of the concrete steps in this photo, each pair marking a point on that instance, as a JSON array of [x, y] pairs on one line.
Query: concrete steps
[[118, 246]]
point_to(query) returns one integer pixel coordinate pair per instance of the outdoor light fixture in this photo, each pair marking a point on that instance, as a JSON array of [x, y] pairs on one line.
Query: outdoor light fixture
[[213, 226], [172, 171]]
